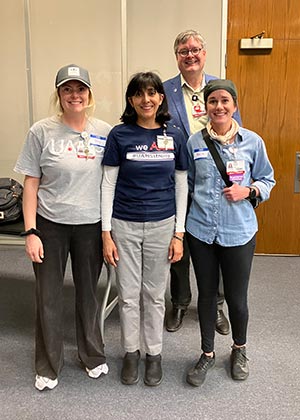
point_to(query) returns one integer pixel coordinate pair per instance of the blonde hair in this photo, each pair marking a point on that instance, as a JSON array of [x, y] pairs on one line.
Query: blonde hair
[[184, 36], [56, 108]]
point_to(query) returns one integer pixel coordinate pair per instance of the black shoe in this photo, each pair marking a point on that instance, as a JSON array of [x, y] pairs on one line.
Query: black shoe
[[222, 324], [239, 364], [174, 319], [197, 374], [153, 370], [130, 369]]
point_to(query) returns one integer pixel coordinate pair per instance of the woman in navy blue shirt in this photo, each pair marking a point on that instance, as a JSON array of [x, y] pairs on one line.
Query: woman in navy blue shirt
[[143, 215]]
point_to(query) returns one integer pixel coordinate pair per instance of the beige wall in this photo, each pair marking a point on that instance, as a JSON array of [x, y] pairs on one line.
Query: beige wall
[[40, 36], [13, 104], [153, 26]]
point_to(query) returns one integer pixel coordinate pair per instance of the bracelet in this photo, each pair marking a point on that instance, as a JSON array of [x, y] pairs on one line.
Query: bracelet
[[31, 231], [178, 237]]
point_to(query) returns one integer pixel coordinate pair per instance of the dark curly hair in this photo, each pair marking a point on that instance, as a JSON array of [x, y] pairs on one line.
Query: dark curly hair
[[141, 81]]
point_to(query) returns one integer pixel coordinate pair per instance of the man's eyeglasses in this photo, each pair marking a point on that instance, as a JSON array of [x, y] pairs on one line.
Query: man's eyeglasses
[[185, 52]]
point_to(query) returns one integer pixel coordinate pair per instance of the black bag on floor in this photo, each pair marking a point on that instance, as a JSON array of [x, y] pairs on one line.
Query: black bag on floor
[[11, 192]]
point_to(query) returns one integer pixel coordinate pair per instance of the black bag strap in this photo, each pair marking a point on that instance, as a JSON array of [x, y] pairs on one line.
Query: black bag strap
[[216, 156], [221, 166]]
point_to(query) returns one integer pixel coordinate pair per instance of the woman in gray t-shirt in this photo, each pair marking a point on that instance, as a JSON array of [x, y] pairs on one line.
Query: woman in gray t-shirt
[[61, 161]]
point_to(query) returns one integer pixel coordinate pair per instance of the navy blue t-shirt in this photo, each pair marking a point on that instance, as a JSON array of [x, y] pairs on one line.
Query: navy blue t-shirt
[[147, 159]]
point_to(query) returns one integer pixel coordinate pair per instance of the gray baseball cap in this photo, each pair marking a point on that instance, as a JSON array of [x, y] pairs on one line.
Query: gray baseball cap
[[72, 72]]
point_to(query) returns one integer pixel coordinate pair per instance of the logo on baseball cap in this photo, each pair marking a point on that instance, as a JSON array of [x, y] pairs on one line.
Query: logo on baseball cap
[[72, 72]]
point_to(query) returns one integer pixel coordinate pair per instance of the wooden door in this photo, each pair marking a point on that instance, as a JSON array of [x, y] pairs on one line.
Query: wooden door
[[269, 98]]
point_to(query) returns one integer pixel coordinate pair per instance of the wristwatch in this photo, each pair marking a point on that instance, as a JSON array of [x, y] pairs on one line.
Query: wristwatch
[[252, 193], [31, 231]]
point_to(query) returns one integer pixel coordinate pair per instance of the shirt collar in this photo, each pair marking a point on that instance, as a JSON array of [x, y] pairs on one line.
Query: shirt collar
[[185, 83]]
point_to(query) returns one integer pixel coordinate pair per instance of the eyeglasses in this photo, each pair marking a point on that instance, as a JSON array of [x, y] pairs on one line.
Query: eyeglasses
[[185, 52]]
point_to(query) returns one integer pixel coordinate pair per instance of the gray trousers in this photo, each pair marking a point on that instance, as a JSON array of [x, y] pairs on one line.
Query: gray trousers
[[142, 276]]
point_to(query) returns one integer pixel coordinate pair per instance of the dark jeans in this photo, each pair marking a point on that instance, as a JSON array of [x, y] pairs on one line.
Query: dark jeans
[[235, 263], [180, 282], [84, 245]]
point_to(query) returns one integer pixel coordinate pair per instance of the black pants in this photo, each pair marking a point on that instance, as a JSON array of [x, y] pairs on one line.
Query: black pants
[[235, 263], [180, 282], [84, 245]]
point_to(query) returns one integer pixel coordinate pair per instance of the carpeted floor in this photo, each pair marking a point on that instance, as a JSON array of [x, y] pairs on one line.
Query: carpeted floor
[[272, 391]]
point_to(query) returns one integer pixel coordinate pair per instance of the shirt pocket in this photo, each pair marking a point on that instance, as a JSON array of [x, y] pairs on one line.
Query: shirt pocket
[[205, 167]]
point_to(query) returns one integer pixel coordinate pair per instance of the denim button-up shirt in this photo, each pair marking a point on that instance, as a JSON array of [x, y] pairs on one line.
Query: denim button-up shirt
[[212, 218]]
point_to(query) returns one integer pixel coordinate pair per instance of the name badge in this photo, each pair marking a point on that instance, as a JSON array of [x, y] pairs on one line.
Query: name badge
[[97, 141], [165, 142], [85, 151], [197, 111], [200, 153], [235, 170]]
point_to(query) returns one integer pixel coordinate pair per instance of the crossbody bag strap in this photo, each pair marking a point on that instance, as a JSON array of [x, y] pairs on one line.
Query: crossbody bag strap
[[221, 166], [217, 158]]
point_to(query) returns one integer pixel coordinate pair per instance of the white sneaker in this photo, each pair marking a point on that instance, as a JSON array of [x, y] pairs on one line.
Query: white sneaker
[[42, 382], [97, 371]]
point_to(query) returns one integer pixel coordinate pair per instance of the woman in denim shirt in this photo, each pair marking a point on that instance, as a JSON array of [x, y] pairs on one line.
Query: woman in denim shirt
[[221, 224]]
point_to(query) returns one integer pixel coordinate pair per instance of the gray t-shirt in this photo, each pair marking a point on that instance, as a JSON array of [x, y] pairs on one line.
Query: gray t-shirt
[[68, 164]]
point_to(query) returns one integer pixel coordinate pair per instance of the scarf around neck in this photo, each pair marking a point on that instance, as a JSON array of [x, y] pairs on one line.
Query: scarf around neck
[[223, 139]]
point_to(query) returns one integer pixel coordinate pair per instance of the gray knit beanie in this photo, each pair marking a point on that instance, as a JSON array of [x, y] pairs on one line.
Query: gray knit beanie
[[217, 84]]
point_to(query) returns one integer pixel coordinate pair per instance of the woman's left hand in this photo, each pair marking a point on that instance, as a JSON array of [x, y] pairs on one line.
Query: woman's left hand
[[110, 251], [175, 250], [236, 192]]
